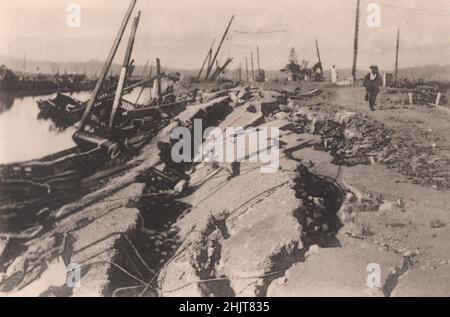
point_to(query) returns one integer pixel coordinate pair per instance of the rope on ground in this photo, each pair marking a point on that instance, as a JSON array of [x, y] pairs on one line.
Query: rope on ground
[[257, 196], [222, 279], [116, 266], [138, 254], [114, 294], [136, 269]]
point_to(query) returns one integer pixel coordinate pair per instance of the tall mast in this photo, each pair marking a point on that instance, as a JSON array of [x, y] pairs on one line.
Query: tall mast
[[318, 52], [107, 65], [158, 79], [218, 48], [246, 67], [124, 69], [253, 70], [257, 57], [240, 72], [208, 57]]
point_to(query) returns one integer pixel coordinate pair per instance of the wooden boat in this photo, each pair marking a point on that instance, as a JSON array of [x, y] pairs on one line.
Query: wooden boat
[[59, 172], [63, 110]]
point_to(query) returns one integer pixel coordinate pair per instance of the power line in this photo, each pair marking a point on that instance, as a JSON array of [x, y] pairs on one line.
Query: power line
[[260, 32], [297, 30], [292, 31], [416, 11]]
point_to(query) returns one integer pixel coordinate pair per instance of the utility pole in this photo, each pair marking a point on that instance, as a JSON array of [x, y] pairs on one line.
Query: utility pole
[[246, 67], [318, 52], [218, 48], [396, 58], [320, 61], [355, 47], [253, 70]]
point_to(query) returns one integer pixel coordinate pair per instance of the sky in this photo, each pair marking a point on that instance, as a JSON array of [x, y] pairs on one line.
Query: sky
[[180, 32]]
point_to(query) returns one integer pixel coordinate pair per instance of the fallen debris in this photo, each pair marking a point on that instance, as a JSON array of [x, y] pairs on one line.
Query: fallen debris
[[436, 224]]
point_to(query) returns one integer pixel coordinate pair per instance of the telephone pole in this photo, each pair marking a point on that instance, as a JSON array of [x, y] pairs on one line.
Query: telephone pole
[[320, 60], [355, 47], [318, 52], [396, 58]]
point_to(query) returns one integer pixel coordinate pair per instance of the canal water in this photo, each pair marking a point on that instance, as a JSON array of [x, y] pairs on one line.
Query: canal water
[[23, 137]]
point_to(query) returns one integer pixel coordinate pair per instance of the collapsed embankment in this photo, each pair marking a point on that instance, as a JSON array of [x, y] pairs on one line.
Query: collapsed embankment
[[219, 229]]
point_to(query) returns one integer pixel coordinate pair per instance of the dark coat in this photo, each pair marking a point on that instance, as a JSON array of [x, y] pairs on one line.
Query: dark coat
[[373, 85]]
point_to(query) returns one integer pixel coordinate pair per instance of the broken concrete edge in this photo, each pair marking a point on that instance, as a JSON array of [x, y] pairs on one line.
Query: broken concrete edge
[[91, 233], [189, 265], [148, 158]]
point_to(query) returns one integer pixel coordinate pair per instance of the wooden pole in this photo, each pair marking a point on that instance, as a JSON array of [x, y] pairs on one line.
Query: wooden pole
[[318, 52], [158, 80], [253, 71], [208, 57], [257, 57], [124, 70], [107, 65], [240, 72], [218, 48], [396, 58], [221, 70], [246, 67], [355, 46], [143, 87]]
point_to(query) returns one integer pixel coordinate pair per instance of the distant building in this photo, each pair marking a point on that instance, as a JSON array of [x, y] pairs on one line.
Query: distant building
[[260, 76], [293, 68], [388, 80], [299, 72]]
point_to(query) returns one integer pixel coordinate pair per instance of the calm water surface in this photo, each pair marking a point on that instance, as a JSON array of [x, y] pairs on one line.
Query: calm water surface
[[23, 137]]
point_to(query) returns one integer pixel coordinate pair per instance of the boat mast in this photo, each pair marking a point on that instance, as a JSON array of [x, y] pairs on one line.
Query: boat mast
[[208, 72], [207, 59], [124, 70], [107, 65]]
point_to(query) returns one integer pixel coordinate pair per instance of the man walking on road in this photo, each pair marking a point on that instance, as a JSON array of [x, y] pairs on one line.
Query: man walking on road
[[372, 83]]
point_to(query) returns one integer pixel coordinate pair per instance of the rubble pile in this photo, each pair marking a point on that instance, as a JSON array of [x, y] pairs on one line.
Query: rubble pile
[[421, 161], [353, 139], [350, 138], [427, 95]]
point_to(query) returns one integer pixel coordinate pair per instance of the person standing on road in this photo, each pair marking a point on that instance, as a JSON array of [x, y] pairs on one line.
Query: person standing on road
[[334, 75], [372, 83]]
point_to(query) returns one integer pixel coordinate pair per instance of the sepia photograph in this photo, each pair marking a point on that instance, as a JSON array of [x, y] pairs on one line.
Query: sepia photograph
[[193, 149]]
